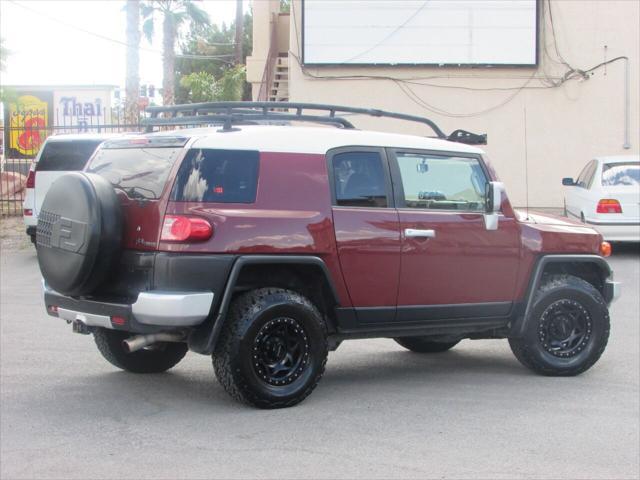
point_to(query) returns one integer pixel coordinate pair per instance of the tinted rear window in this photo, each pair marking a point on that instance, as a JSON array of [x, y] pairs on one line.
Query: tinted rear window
[[66, 156], [218, 176], [620, 174], [140, 172]]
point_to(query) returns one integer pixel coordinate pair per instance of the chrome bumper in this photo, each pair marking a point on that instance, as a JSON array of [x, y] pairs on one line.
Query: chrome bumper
[[154, 308]]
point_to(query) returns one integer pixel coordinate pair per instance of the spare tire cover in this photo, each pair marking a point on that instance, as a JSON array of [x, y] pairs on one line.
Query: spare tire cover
[[79, 233]]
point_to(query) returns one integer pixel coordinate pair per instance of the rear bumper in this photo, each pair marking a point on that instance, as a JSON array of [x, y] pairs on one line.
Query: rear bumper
[[152, 311], [617, 232]]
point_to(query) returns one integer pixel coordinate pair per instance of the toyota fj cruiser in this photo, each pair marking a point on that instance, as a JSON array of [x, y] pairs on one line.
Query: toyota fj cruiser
[[265, 246]]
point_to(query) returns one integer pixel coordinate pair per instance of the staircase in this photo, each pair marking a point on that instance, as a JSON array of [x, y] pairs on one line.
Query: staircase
[[279, 88]]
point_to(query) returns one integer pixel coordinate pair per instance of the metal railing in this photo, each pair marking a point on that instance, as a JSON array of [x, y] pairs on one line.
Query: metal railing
[[21, 144], [270, 64]]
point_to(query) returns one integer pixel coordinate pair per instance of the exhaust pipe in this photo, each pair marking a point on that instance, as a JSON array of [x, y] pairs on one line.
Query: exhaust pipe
[[138, 342]]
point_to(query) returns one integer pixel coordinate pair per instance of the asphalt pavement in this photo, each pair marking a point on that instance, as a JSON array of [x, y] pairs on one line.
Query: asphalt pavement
[[379, 412]]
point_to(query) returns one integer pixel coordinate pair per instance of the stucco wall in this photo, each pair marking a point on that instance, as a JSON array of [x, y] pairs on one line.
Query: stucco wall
[[565, 126]]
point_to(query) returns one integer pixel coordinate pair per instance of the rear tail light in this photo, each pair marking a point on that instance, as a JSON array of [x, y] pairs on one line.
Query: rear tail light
[[52, 310], [31, 178], [177, 228], [605, 249], [27, 212], [608, 205], [119, 321]]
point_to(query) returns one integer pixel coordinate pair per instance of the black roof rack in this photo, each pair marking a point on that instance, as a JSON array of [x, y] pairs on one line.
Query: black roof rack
[[228, 114]]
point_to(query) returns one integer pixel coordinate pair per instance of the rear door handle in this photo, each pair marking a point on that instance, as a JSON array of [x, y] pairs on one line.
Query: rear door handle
[[415, 233]]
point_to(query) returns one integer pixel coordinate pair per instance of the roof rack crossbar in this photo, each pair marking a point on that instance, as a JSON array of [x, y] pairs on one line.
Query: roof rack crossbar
[[229, 113], [227, 120]]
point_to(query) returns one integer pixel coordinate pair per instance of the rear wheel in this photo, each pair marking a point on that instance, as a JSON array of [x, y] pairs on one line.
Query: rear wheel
[[567, 329], [425, 344], [157, 358], [272, 349]]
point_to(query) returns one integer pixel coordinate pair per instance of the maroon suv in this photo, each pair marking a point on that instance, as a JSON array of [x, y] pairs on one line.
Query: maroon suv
[[265, 246]]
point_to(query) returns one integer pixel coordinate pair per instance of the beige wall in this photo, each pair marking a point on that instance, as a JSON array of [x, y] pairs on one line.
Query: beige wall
[[566, 126]]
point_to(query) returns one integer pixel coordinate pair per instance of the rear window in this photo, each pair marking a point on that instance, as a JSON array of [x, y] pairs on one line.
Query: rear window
[[66, 156], [620, 174], [217, 176], [139, 172]]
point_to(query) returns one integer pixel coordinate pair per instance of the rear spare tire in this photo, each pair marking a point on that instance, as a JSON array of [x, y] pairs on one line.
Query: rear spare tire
[[79, 232]]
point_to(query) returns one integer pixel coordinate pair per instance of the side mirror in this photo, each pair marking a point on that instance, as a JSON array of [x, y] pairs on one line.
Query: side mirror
[[568, 181], [493, 196], [493, 202]]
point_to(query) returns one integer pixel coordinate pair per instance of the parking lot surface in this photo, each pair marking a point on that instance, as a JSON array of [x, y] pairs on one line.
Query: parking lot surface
[[379, 412]]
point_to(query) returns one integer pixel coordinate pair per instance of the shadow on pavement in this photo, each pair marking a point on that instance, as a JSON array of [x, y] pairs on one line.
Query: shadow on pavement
[[127, 394], [625, 249]]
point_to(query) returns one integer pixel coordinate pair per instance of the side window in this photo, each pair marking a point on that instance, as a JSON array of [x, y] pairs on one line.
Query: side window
[[359, 179], [585, 174], [217, 176], [442, 182]]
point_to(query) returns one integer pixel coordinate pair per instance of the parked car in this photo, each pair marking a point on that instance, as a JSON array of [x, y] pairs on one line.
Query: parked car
[[58, 155], [266, 246], [606, 196]]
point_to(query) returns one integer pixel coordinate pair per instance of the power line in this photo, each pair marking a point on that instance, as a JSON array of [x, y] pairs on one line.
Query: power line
[[403, 83], [391, 34], [120, 42], [80, 29]]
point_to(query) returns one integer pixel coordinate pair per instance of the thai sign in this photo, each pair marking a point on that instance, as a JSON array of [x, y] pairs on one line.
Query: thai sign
[[80, 110], [27, 123], [34, 113]]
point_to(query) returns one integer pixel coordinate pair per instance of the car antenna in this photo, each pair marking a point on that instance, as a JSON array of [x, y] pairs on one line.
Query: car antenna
[[526, 165]]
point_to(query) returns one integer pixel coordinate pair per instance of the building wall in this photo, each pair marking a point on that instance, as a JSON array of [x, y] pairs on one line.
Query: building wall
[[565, 126]]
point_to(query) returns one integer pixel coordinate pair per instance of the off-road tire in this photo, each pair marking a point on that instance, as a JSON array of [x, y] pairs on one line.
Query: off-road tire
[[160, 358], [530, 349], [237, 348], [424, 344]]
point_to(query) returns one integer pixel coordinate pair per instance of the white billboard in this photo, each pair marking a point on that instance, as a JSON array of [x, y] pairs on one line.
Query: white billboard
[[419, 32]]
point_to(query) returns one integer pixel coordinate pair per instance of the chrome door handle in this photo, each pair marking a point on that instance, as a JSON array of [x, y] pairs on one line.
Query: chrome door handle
[[415, 233]]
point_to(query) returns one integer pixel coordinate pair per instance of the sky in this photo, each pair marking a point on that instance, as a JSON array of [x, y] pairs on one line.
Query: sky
[[49, 43]]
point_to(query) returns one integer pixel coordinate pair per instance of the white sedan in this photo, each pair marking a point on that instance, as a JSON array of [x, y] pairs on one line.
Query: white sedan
[[606, 196]]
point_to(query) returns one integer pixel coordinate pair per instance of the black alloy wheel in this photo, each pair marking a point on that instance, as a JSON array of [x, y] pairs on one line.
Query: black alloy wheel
[[272, 348], [565, 328], [280, 351]]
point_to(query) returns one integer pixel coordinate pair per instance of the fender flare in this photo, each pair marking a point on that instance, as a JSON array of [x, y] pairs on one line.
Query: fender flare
[[204, 338], [519, 325]]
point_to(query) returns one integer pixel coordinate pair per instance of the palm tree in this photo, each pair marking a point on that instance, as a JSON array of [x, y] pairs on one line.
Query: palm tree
[[238, 32], [174, 13], [132, 82]]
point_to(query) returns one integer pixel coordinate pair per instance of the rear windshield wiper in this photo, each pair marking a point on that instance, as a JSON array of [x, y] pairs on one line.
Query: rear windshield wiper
[[133, 192]]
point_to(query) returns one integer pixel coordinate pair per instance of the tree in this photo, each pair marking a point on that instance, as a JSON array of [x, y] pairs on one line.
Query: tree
[[6, 94], [175, 13], [200, 86], [213, 40], [4, 53], [132, 82], [238, 33], [203, 86]]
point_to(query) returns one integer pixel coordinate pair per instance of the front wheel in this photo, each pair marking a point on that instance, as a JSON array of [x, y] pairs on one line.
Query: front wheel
[[157, 358], [567, 329], [272, 349]]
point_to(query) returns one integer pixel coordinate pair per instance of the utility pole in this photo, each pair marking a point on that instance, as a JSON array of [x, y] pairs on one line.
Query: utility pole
[[239, 33], [132, 82]]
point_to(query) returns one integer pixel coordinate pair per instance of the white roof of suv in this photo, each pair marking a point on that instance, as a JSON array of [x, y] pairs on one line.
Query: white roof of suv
[[295, 139], [618, 159]]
